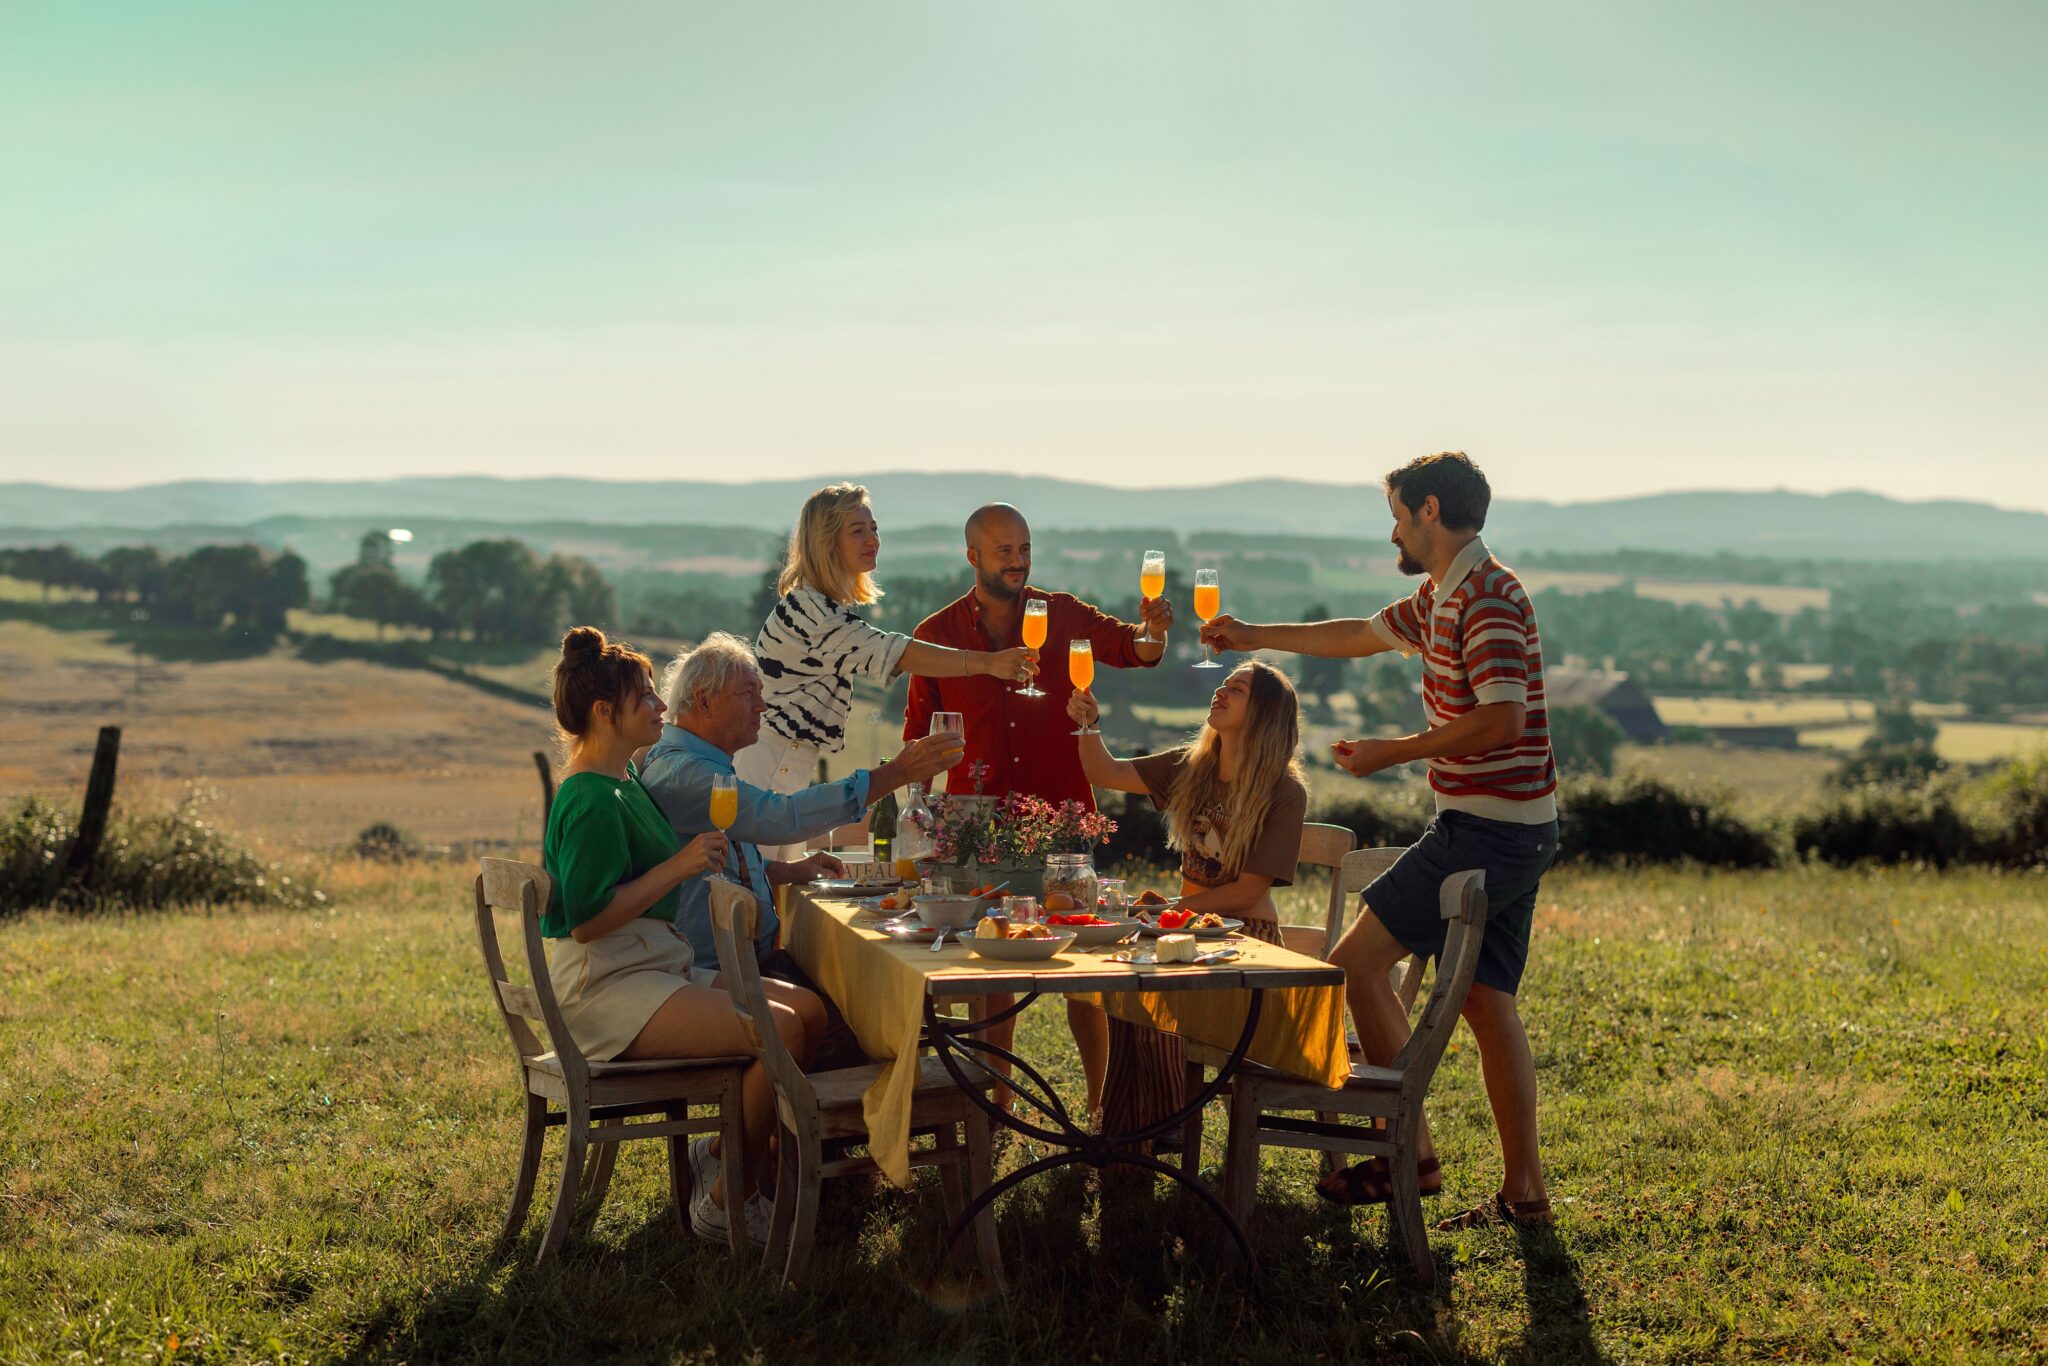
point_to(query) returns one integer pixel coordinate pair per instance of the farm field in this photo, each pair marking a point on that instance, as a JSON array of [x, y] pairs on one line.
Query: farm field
[[1791, 710], [1793, 1115], [290, 753], [1959, 742], [1784, 599]]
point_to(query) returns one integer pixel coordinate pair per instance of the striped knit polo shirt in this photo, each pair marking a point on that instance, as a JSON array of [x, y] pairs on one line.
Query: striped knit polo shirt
[[1476, 633]]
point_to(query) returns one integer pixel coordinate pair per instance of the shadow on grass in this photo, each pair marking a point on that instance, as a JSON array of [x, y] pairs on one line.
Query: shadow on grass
[[1130, 1274], [1560, 1324]]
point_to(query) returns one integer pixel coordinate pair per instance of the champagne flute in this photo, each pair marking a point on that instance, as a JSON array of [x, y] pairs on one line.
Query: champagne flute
[[1081, 670], [1208, 603], [1034, 636], [725, 800], [1152, 575]]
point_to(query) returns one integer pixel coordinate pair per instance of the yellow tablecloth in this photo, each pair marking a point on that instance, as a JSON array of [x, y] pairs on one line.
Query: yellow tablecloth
[[880, 986]]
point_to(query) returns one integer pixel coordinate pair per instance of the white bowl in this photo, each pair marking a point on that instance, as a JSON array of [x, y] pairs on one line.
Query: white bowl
[[947, 912], [1019, 950]]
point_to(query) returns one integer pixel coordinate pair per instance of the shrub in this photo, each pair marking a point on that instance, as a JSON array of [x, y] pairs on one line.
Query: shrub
[[1140, 835], [2016, 799], [1887, 823], [384, 840], [1641, 819], [146, 861]]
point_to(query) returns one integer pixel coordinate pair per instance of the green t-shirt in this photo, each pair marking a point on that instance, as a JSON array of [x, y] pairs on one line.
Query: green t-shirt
[[602, 832]]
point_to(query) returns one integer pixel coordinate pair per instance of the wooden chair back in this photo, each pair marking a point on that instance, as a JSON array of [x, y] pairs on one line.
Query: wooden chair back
[[733, 915], [1463, 905], [523, 889], [1325, 846], [1361, 868]]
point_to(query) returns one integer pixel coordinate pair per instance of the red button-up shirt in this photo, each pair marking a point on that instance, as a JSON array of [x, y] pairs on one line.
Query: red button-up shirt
[[1027, 742]]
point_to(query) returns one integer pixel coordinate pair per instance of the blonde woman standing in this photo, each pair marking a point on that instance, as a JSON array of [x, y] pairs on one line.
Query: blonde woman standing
[[1234, 802], [814, 645]]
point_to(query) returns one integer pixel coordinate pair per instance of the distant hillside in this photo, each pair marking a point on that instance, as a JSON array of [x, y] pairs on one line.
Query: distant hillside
[[1841, 525]]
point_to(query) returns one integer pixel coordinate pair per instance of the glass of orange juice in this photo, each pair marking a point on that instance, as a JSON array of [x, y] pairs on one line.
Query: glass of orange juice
[[1208, 603], [725, 800], [1081, 670], [1152, 575], [1034, 636]]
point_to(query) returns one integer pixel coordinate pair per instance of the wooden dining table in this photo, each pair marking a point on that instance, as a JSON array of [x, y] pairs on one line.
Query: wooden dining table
[[1267, 1004]]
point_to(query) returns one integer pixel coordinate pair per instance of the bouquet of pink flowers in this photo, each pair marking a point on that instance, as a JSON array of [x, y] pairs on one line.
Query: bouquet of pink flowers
[[1011, 829]]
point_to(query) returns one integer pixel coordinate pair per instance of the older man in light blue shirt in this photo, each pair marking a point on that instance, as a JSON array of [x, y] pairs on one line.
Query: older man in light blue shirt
[[715, 708]]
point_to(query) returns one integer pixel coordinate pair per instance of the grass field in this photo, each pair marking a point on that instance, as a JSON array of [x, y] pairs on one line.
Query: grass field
[[1786, 600], [1959, 742], [1793, 1116], [1792, 710]]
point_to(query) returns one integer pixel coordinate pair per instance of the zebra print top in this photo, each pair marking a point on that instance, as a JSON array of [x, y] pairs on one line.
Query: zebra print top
[[811, 649]]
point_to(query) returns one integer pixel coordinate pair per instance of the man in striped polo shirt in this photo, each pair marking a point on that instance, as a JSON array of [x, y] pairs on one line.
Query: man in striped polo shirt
[[1488, 749]]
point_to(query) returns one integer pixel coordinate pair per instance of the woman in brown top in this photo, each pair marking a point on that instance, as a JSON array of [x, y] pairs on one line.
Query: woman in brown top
[[1234, 802]]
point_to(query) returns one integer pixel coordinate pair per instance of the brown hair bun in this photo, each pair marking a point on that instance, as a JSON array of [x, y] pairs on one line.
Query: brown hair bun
[[593, 670]]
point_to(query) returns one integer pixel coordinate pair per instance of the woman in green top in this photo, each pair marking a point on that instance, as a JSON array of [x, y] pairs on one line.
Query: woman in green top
[[625, 980]]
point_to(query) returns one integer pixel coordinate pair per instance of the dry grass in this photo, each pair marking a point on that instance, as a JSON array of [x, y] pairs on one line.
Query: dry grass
[[1959, 742], [297, 754], [1782, 710]]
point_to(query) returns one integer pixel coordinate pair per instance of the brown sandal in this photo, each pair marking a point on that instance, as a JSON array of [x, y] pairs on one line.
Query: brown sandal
[[1371, 1182], [1498, 1209]]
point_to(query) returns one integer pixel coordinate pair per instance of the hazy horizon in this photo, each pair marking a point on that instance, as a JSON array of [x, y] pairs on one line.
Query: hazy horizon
[[1610, 250]]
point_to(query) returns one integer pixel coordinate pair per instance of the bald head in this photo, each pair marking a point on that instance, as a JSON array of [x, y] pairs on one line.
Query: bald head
[[999, 548]]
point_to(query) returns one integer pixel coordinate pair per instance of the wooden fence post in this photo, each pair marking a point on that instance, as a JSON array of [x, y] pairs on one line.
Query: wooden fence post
[[92, 821], [547, 785]]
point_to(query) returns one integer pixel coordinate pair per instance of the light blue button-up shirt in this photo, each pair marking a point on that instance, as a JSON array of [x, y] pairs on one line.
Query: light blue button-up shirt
[[678, 775]]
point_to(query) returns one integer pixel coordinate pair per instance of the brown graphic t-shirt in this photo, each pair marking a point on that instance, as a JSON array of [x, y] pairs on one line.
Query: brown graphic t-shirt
[[1274, 851]]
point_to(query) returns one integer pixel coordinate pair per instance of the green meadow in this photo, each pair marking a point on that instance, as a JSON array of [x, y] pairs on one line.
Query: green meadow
[[1793, 1115]]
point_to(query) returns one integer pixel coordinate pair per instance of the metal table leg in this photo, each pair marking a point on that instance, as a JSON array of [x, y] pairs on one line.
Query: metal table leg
[[951, 1040]]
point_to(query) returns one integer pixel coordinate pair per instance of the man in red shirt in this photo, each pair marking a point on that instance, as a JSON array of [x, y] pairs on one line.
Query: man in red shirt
[[1026, 744]]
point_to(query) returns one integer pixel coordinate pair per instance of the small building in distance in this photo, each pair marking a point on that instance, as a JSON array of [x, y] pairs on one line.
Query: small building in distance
[[1610, 691]]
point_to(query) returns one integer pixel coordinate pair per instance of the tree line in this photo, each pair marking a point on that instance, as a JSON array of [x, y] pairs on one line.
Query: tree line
[[488, 590]]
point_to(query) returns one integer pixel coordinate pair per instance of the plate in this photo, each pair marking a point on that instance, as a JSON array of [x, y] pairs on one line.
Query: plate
[[910, 931], [1095, 936], [1019, 950], [1228, 927], [845, 888]]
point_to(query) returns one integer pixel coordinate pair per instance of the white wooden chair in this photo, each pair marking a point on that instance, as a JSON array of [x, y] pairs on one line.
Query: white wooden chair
[[1379, 1096], [815, 1106], [596, 1100]]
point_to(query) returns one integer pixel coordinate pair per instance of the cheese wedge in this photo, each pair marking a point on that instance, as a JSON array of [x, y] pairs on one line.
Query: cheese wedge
[[1176, 948]]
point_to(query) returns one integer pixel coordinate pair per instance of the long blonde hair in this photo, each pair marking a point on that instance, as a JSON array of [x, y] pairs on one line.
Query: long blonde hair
[[813, 560], [1272, 737]]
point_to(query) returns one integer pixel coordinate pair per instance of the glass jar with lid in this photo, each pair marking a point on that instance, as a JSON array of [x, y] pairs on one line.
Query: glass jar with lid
[[1074, 875]]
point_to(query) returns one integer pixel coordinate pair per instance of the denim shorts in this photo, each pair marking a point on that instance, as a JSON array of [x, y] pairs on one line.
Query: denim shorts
[[1407, 897]]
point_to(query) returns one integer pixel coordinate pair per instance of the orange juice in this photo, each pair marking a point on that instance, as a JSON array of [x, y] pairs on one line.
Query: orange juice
[[725, 806], [1081, 668], [1034, 630], [906, 870], [1208, 601], [1152, 585]]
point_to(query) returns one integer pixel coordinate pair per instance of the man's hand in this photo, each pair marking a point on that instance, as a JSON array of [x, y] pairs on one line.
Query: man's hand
[[1228, 633], [1157, 614], [920, 762], [1362, 758], [1081, 707]]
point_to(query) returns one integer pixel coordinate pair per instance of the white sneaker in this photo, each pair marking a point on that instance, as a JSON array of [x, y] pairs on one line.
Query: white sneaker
[[710, 1221], [704, 1163]]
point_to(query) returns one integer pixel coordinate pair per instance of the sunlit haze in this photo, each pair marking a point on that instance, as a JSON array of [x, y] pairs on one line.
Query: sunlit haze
[[1608, 248]]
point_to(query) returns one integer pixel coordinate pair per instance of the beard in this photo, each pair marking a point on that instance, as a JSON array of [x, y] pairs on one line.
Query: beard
[[1408, 564], [996, 586]]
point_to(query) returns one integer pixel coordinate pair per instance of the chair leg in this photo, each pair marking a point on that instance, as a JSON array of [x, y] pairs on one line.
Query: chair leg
[[679, 1180], [1405, 1209], [803, 1230], [1191, 1130], [786, 1182], [981, 1174], [576, 1135], [1241, 1156], [732, 1162], [535, 1133], [597, 1179], [946, 1139]]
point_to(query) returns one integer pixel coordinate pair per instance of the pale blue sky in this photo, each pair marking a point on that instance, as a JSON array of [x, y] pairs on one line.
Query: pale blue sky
[[1608, 248]]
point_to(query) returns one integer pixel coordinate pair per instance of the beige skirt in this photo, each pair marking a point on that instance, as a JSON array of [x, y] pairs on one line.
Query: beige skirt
[[610, 988]]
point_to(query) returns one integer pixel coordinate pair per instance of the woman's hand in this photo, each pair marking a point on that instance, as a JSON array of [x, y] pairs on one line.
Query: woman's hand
[[704, 854], [1081, 708], [1015, 665]]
